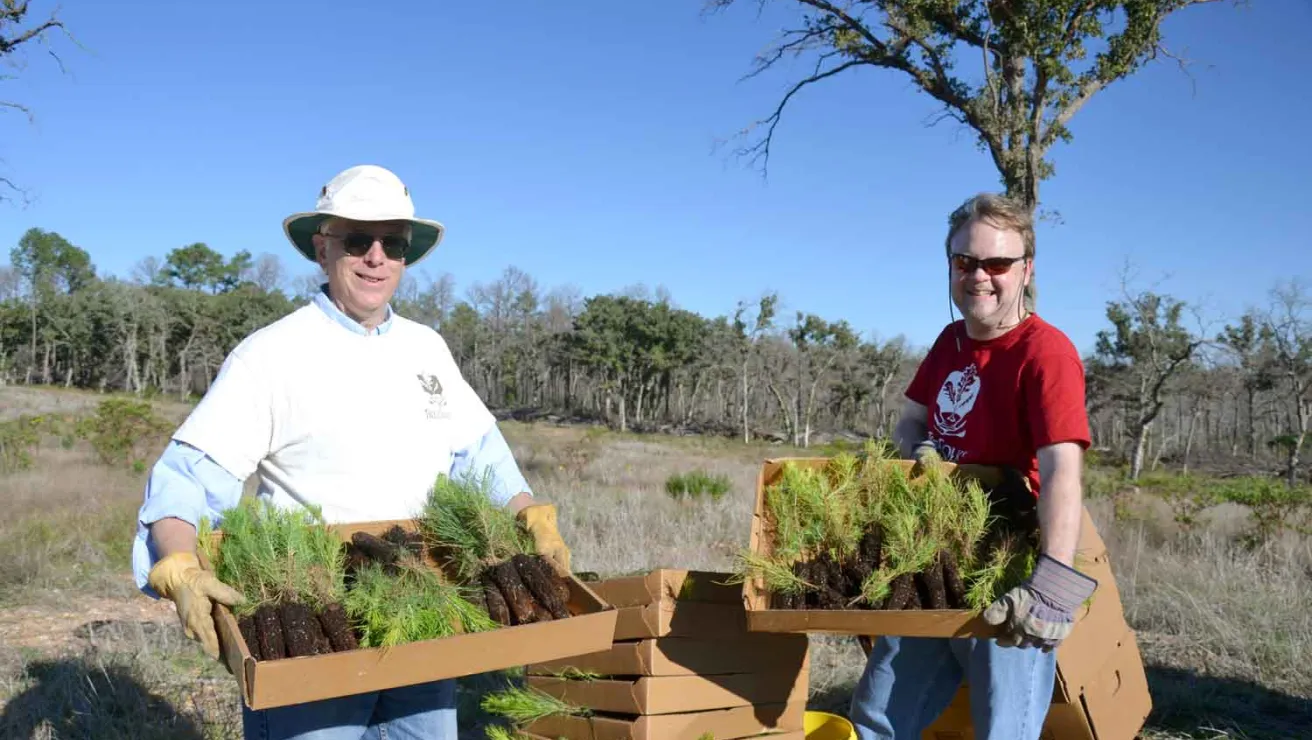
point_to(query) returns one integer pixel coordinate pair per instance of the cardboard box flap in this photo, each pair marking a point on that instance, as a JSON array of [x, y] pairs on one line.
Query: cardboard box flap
[[667, 584], [1117, 700], [672, 694], [722, 724]]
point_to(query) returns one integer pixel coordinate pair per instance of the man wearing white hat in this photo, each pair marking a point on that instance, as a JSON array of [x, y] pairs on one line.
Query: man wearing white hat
[[342, 405]]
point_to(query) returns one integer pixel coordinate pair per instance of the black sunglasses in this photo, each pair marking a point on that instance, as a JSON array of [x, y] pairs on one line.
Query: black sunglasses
[[992, 265], [358, 244]]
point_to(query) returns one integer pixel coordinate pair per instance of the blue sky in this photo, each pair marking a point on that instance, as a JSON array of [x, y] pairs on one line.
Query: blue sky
[[575, 141]]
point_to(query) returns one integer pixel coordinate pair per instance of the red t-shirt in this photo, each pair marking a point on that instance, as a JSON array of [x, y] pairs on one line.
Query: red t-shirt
[[996, 402]]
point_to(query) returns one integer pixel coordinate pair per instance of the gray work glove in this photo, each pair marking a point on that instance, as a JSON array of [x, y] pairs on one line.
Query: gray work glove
[[1041, 611], [925, 453]]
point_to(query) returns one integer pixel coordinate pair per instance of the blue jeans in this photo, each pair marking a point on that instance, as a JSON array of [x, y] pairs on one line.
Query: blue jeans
[[426, 711], [909, 681]]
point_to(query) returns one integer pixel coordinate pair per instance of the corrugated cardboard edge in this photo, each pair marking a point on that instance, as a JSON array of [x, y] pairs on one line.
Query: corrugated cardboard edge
[[750, 652], [723, 724], [309, 678], [673, 619], [668, 584], [677, 694]]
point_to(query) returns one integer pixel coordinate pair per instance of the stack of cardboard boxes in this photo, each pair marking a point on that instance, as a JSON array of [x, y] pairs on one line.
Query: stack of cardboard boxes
[[682, 665]]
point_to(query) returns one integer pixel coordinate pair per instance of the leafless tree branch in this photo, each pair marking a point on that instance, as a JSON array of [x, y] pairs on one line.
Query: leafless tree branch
[[761, 149]]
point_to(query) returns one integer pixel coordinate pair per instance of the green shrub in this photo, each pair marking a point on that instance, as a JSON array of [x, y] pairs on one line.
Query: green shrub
[[696, 484], [18, 440], [1273, 507], [123, 430]]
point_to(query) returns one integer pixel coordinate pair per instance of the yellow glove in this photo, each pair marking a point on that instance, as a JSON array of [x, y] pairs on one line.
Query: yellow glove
[[540, 521], [180, 579]]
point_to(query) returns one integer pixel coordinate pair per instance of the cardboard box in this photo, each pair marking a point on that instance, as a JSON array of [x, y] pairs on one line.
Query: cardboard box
[[674, 603], [669, 585], [723, 724], [677, 694], [688, 656], [918, 622], [1113, 705], [287, 681]]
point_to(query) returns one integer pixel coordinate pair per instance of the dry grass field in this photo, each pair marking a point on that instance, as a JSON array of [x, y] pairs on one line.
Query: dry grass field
[[1226, 631]]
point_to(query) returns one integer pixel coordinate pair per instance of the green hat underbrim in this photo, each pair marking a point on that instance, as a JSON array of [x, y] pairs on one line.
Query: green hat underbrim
[[301, 228]]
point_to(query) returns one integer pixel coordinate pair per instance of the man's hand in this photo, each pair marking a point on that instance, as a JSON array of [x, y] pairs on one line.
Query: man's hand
[[193, 590], [1041, 611], [540, 521]]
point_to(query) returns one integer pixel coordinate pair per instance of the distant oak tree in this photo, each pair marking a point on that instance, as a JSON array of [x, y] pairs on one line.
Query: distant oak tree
[[1041, 63]]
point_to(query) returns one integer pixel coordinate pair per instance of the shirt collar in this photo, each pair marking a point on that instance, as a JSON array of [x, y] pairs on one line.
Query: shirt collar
[[325, 304]]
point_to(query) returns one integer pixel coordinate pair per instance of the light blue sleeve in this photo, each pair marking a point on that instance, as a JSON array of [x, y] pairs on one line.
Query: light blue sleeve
[[185, 483], [491, 455]]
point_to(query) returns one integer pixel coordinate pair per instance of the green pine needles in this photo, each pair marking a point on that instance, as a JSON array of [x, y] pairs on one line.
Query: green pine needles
[[859, 532], [413, 604], [273, 555], [466, 530]]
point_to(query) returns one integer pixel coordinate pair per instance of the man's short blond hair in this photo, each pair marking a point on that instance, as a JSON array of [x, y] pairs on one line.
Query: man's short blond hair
[[1004, 213]]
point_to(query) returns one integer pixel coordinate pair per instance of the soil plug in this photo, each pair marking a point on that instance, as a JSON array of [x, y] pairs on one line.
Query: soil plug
[[377, 549], [531, 573], [900, 591], [496, 603], [557, 581], [296, 618], [410, 541], [270, 639], [934, 594], [337, 628], [250, 635], [953, 587], [915, 602], [518, 599]]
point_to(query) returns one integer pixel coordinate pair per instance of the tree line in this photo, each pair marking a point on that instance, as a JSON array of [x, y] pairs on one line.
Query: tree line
[[1161, 390]]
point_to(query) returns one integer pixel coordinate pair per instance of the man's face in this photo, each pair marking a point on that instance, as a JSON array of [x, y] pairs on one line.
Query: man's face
[[990, 303], [361, 285]]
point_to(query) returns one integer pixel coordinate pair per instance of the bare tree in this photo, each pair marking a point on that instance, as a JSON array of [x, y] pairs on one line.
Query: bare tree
[[1289, 331], [267, 273], [16, 34], [149, 270], [1136, 360]]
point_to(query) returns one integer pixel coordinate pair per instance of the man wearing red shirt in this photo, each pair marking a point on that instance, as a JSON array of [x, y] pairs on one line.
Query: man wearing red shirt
[[1000, 387]]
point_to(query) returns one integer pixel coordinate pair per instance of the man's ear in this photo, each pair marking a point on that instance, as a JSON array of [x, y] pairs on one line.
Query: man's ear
[[320, 250]]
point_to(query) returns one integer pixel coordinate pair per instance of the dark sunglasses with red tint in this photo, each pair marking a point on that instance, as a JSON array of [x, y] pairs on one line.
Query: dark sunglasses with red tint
[[358, 244], [992, 265]]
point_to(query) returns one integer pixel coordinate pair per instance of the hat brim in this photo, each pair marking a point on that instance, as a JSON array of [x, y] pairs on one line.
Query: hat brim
[[300, 229]]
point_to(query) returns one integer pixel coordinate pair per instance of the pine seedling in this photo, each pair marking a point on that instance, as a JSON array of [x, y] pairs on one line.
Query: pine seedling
[[524, 706], [460, 521], [776, 573], [414, 604]]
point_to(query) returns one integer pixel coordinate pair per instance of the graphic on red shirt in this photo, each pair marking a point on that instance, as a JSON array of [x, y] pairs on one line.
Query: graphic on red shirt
[[955, 399], [996, 402]]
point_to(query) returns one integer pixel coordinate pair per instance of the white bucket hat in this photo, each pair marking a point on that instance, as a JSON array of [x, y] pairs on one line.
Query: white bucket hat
[[364, 193]]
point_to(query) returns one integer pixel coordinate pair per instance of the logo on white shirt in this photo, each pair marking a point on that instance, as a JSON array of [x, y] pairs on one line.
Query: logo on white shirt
[[436, 401]]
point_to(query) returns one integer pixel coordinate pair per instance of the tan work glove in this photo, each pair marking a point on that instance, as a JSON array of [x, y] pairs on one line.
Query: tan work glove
[[539, 520], [193, 590], [1041, 612]]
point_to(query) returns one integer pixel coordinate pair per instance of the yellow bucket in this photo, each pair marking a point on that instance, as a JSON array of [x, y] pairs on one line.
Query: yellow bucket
[[826, 726]]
